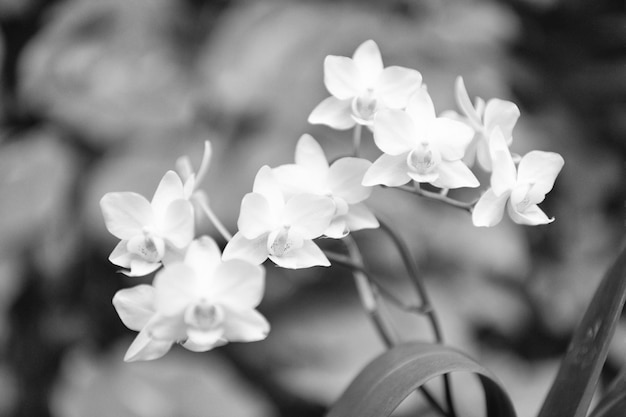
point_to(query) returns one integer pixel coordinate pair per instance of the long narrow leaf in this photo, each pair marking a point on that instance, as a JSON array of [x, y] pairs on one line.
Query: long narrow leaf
[[613, 403], [392, 376], [575, 383]]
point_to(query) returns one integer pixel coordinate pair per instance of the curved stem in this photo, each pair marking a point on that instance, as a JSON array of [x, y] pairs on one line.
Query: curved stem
[[201, 200], [369, 298], [356, 139], [348, 263], [419, 286], [441, 197]]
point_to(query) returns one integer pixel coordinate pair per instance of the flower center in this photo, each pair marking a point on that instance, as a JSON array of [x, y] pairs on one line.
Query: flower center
[[148, 246], [204, 316], [278, 242], [423, 159], [527, 197], [364, 107]]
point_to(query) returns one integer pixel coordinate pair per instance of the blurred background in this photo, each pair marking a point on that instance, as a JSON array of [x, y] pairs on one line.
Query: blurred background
[[104, 95]]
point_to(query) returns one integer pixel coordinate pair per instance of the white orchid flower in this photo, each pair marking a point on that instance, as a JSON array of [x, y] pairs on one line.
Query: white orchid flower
[[521, 189], [202, 302], [151, 232], [484, 118], [340, 181], [360, 86], [271, 226], [420, 146]]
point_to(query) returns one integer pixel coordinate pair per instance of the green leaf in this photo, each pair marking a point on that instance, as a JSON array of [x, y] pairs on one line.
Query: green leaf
[[575, 383], [391, 377], [613, 403]]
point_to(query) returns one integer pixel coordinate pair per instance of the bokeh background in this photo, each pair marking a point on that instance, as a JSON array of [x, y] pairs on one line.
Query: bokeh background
[[104, 95]]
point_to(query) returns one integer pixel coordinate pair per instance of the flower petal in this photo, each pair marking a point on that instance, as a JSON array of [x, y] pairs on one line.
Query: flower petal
[[396, 85], [421, 109], [170, 188], [256, 216], [360, 217], [464, 102], [451, 138], [532, 216], [342, 77], [265, 183], [503, 173], [395, 132], [455, 174], [503, 114], [334, 113], [192, 346], [308, 215], [296, 179], [178, 223], [337, 229], [250, 250], [120, 255], [203, 256], [345, 177], [489, 209], [238, 283], [135, 306], [539, 169], [199, 340], [140, 267], [244, 325], [144, 348], [387, 170], [126, 214], [310, 154], [167, 328], [176, 287], [306, 256], [368, 60]]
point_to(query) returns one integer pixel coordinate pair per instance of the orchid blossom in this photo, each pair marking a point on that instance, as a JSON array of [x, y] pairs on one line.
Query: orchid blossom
[[484, 118], [271, 226], [521, 189], [360, 86], [420, 146], [201, 302], [340, 181], [153, 232]]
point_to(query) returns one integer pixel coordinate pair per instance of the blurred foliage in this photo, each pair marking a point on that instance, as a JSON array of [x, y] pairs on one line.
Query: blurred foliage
[[104, 95]]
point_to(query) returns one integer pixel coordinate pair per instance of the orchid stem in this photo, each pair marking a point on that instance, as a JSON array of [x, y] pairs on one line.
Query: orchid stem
[[369, 298], [356, 139], [420, 288], [212, 217], [343, 260], [440, 196], [369, 295]]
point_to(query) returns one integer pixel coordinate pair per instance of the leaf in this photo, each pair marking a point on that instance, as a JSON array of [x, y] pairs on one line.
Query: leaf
[[575, 383], [613, 403], [386, 381]]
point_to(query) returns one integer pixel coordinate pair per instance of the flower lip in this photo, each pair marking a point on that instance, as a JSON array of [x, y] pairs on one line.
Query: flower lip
[[364, 107], [423, 159], [148, 246], [278, 242], [204, 315]]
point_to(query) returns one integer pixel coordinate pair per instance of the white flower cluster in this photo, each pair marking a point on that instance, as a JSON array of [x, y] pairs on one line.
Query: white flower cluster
[[202, 298]]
